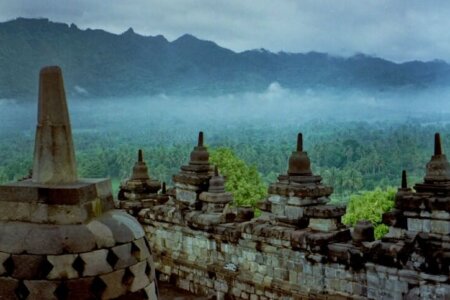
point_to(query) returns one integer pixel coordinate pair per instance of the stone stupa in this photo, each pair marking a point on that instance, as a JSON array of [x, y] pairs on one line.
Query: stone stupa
[[140, 191], [60, 236]]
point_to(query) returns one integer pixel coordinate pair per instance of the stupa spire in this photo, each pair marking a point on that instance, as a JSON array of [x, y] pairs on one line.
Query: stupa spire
[[54, 155], [140, 170], [438, 168], [300, 142], [299, 163], [404, 180], [140, 156], [437, 144], [200, 155], [200, 139]]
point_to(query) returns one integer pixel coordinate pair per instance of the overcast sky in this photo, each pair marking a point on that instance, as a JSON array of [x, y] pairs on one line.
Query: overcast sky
[[393, 29]]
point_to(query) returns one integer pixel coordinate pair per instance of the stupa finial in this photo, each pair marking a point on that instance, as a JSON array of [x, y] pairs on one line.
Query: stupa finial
[[404, 180], [438, 168], [200, 155], [140, 170], [299, 163], [217, 182], [54, 155], [437, 144], [140, 156], [200, 139], [300, 142]]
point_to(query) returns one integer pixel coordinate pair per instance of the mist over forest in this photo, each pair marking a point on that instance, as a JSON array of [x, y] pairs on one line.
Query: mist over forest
[[348, 135], [275, 107]]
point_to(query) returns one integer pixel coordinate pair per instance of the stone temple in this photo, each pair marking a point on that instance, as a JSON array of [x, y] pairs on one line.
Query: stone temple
[[60, 236], [299, 248]]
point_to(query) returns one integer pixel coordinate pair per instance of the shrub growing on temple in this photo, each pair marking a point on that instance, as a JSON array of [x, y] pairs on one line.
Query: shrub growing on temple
[[370, 205], [242, 180]]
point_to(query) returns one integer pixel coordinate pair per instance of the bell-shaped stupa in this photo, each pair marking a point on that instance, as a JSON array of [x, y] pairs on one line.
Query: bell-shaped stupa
[[60, 236]]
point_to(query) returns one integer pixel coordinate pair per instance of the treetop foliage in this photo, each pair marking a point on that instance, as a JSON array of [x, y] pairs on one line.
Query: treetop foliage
[[242, 180], [370, 205]]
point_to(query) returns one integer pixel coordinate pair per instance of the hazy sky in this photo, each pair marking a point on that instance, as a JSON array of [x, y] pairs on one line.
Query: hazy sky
[[393, 29]]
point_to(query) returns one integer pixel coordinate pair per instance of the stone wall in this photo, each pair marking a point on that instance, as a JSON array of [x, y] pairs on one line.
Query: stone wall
[[251, 266], [297, 248]]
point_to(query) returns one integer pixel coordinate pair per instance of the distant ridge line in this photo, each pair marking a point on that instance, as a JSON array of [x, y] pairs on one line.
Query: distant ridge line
[[102, 64]]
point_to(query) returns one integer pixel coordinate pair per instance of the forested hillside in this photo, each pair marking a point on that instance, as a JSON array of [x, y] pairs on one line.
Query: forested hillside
[[100, 64]]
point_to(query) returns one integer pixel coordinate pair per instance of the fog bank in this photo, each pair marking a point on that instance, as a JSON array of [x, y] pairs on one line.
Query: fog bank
[[275, 107]]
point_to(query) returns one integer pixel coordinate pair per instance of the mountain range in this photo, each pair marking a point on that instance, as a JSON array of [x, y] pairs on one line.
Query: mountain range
[[97, 63]]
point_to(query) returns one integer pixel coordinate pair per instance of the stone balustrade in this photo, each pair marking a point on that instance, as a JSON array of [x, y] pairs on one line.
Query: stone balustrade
[[298, 248]]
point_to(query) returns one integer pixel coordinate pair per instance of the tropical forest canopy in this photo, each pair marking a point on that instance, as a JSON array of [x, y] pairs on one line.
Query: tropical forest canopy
[[350, 155]]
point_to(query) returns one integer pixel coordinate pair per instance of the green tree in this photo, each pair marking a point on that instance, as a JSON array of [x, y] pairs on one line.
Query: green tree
[[242, 180], [370, 205], [352, 180]]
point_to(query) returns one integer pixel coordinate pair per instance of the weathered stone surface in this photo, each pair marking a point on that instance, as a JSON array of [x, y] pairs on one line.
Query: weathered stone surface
[[84, 190], [205, 219], [54, 156], [244, 214], [3, 258], [191, 178], [124, 227], [324, 211], [8, 287], [78, 289], [296, 201], [150, 290], [143, 252], [114, 286], [439, 226], [96, 263], [125, 257], [102, 234], [216, 197], [37, 239], [62, 266], [363, 232], [186, 196], [394, 218], [67, 214], [141, 279], [326, 225], [29, 266], [293, 212], [301, 191], [71, 235], [41, 289], [264, 205]]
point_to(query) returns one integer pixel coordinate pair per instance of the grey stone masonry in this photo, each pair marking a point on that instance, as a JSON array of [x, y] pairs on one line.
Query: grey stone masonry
[[140, 191], [298, 248]]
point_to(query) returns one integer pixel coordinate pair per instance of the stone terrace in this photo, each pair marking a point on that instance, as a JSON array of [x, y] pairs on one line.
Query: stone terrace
[[298, 248]]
